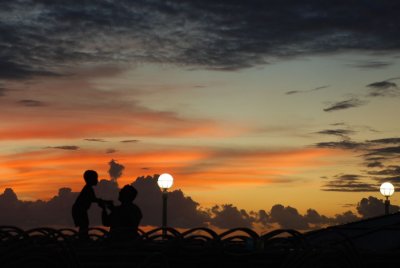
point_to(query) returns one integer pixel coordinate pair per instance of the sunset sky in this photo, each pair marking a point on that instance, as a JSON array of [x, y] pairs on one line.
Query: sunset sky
[[250, 103]]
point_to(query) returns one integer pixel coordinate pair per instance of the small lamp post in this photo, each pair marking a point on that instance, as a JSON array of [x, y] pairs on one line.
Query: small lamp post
[[387, 190], [165, 182]]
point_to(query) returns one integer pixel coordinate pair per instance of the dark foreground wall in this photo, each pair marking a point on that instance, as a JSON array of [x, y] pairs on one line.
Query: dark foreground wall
[[200, 247]]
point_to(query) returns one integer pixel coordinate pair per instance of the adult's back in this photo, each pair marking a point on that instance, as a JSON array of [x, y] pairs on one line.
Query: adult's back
[[123, 220]]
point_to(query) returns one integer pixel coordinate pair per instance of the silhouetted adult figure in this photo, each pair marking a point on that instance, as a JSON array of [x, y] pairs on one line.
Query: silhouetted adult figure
[[83, 202], [124, 219]]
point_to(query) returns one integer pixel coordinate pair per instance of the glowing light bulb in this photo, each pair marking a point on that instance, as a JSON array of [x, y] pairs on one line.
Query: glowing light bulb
[[387, 189], [165, 181]]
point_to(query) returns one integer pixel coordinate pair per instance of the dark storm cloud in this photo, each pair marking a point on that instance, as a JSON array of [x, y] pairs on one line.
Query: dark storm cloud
[[380, 158], [336, 132], [386, 141], [382, 85], [187, 212], [348, 183], [262, 217], [389, 171], [96, 140], [345, 144], [312, 216], [384, 151], [42, 37], [338, 124], [183, 212], [374, 164], [349, 177], [229, 216], [29, 214], [342, 105], [107, 190], [360, 128], [305, 91], [65, 147], [31, 103], [129, 141], [372, 207], [394, 180], [115, 170], [14, 70], [292, 92], [288, 217], [318, 88], [346, 217], [372, 64], [349, 205], [383, 88]]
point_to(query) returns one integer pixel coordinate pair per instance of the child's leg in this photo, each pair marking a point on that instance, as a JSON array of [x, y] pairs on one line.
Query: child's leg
[[83, 232], [84, 227]]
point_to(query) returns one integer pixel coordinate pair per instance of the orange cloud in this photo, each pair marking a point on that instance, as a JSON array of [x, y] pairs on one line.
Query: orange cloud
[[77, 108], [254, 167], [40, 174], [157, 126]]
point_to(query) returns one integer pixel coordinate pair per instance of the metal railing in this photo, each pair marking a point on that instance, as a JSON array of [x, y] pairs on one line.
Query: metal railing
[[197, 247]]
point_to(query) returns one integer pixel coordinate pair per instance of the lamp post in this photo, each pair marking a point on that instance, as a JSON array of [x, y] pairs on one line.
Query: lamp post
[[387, 190], [165, 182]]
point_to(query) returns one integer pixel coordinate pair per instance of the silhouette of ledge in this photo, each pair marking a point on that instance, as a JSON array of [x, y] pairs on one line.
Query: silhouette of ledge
[[377, 234], [373, 242]]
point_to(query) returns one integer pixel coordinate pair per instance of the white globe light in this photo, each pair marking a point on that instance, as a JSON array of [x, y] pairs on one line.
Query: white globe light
[[387, 189], [165, 181]]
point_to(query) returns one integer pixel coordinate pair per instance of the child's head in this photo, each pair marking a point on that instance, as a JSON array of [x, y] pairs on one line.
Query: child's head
[[127, 194], [90, 177]]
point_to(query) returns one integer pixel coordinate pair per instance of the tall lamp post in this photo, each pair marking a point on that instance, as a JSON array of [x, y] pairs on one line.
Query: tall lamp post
[[165, 182], [387, 190]]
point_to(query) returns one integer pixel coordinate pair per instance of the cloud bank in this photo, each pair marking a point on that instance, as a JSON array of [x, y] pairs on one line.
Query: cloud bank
[[184, 212], [49, 37]]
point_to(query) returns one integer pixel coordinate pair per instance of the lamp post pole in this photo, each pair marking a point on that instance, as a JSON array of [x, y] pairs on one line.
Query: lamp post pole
[[387, 205], [165, 182], [164, 213]]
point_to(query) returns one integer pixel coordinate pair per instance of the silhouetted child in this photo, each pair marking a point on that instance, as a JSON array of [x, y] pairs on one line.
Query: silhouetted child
[[82, 203], [124, 219]]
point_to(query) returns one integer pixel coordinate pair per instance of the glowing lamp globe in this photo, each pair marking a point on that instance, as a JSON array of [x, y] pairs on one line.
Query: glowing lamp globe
[[387, 189], [165, 181]]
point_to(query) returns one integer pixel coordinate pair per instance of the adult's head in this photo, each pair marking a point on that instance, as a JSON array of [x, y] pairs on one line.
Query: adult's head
[[91, 177], [127, 194]]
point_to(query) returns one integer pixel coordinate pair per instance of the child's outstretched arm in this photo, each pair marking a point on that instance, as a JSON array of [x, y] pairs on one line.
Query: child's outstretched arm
[[105, 203]]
